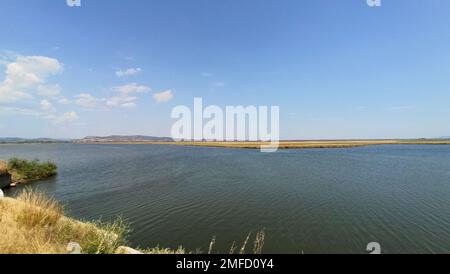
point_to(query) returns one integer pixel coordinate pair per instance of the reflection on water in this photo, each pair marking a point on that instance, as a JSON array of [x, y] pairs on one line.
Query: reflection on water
[[311, 201]]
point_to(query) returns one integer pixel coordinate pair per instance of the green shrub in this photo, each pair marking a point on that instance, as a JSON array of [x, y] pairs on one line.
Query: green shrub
[[24, 171]]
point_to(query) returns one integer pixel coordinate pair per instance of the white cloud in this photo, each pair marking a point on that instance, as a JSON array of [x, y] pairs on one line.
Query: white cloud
[[49, 90], [88, 101], [64, 101], [47, 113], [128, 72], [121, 101], [47, 106], [132, 88], [67, 117], [163, 97], [14, 111], [218, 84], [207, 74], [125, 98], [9, 94], [25, 75]]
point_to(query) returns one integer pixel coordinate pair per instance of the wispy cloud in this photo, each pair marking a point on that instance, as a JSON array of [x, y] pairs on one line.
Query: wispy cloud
[[88, 101], [64, 101], [47, 113], [125, 97], [127, 72], [67, 117], [399, 108], [218, 84], [164, 96], [132, 88], [207, 74], [16, 111], [49, 90], [47, 106], [122, 101]]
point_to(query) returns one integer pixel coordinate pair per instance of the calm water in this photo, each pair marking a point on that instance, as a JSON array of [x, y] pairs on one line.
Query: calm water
[[311, 201]]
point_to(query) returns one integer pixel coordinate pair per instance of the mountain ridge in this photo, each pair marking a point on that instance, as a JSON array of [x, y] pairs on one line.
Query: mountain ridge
[[123, 138]]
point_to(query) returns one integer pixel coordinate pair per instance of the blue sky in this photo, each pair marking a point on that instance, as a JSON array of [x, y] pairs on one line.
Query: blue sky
[[337, 69]]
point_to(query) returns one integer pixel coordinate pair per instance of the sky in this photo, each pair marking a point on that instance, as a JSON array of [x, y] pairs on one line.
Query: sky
[[337, 69]]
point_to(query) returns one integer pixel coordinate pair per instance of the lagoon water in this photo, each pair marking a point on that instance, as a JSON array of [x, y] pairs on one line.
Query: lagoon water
[[307, 201]]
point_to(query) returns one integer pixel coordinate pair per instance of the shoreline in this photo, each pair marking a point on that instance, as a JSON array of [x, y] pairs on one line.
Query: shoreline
[[306, 144], [284, 144]]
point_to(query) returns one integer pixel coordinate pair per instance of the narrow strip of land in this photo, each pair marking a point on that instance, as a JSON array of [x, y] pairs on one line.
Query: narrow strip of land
[[293, 144]]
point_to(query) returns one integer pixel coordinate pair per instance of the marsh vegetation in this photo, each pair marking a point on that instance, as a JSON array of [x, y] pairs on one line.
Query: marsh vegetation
[[24, 171]]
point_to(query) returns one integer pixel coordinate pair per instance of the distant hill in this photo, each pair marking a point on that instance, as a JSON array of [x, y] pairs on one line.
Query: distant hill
[[16, 140], [119, 138]]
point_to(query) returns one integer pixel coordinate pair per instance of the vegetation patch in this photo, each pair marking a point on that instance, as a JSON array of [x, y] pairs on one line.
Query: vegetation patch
[[24, 171]]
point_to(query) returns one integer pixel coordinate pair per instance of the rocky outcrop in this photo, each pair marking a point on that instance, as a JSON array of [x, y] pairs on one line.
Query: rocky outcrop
[[74, 248]]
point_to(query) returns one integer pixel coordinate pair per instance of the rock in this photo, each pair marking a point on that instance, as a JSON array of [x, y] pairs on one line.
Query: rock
[[13, 185], [1, 194], [124, 250], [73, 248]]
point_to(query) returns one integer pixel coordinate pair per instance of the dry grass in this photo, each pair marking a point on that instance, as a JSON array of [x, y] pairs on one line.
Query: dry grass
[[297, 144], [38, 210], [166, 251], [34, 224], [258, 244], [3, 167]]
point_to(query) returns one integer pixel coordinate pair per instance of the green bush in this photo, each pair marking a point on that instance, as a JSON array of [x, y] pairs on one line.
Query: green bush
[[24, 171]]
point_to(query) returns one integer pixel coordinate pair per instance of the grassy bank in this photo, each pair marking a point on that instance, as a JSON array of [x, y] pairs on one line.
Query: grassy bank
[[295, 144], [24, 171], [35, 224]]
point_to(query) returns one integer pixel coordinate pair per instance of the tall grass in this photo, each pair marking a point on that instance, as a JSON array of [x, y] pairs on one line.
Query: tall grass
[[3, 167], [258, 244], [35, 224], [38, 210]]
